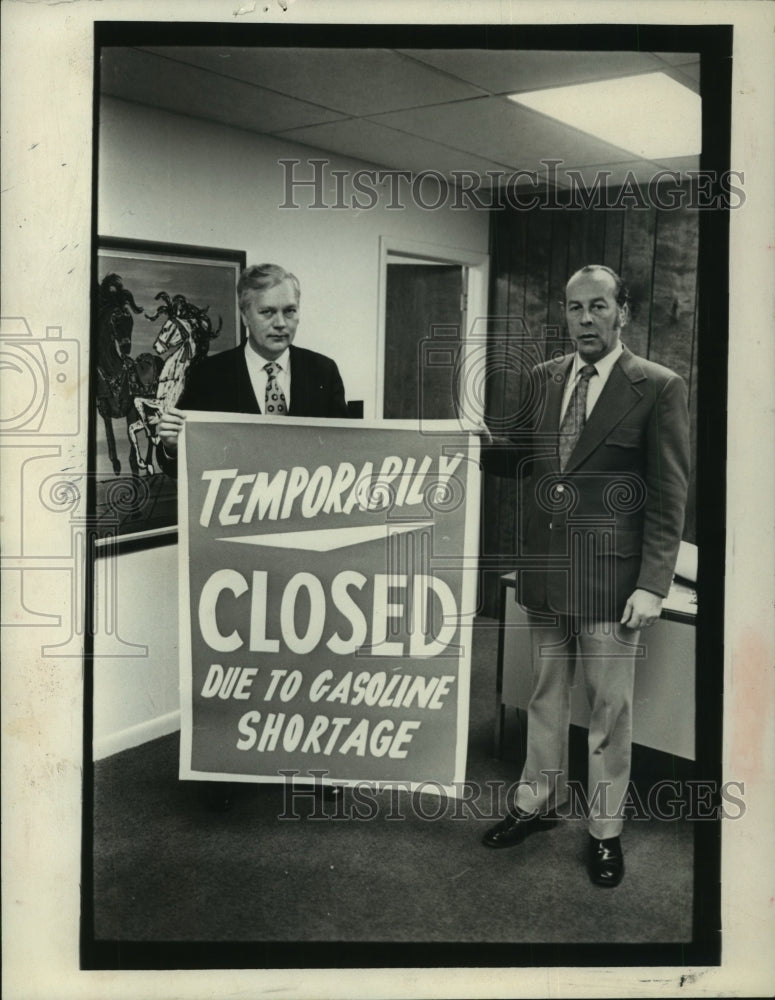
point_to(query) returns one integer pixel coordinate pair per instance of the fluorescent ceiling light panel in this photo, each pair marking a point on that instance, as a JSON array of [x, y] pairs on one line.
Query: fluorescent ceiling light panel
[[649, 115]]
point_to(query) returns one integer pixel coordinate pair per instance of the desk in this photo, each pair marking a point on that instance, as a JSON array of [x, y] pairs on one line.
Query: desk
[[663, 708]]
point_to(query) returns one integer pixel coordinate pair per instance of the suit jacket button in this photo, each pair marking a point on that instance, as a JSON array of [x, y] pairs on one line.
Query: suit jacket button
[[550, 526], [560, 488]]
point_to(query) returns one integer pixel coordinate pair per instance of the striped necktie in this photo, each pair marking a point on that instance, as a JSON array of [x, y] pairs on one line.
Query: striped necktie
[[575, 415]]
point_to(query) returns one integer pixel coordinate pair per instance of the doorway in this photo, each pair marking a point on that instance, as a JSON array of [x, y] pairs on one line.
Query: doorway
[[427, 295], [424, 317]]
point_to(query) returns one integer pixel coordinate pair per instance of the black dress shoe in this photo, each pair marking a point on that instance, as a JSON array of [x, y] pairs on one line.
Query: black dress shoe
[[514, 828], [606, 861]]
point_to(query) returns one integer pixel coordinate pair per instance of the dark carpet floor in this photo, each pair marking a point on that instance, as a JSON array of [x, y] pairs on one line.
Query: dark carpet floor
[[167, 869]]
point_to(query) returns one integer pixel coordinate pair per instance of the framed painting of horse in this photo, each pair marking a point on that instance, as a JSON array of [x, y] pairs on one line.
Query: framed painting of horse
[[159, 309]]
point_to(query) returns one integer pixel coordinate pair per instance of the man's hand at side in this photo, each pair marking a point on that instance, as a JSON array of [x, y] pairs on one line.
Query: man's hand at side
[[169, 428], [642, 609]]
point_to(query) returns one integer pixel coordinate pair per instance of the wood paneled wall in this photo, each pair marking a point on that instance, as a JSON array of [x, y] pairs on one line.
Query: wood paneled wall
[[532, 255]]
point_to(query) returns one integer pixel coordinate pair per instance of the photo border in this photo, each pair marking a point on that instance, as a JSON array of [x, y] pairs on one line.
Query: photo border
[[46, 273], [714, 44]]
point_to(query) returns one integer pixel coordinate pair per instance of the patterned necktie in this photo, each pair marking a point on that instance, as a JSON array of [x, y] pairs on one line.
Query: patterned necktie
[[575, 415], [275, 400]]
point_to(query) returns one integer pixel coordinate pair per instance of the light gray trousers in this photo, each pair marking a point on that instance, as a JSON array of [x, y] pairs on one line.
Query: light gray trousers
[[602, 654]]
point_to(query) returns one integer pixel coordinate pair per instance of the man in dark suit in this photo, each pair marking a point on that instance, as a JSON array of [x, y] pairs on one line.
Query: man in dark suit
[[267, 374], [600, 524]]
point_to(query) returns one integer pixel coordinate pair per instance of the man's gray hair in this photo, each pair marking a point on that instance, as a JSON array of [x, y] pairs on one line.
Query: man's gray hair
[[259, 277]]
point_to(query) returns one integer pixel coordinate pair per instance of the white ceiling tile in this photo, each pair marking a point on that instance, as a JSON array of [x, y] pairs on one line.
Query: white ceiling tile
[[146, 78], [505, 132], [350, 81], [376, 144], [506, 71], [684, 67], [678, 58], [680, 163], [688, 75], [610, 174], [419, 103], [650, 114]]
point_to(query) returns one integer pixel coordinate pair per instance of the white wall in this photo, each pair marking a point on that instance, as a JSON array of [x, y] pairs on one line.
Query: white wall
[[174, 179], [165, 177], [136, 695]]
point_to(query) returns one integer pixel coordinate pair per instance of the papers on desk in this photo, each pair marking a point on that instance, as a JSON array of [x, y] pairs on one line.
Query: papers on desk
[[681, 599], [686, 564]]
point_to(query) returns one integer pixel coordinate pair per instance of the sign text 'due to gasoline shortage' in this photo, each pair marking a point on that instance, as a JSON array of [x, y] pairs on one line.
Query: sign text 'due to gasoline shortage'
[[328, 586]]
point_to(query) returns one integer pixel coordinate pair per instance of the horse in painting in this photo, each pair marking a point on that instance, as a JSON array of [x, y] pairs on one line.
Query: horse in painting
[[183, 340], [148, 368], [116, 375]]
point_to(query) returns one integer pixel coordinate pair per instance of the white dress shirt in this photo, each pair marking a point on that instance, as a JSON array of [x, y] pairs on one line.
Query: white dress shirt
[[259, 377], [603, 367]]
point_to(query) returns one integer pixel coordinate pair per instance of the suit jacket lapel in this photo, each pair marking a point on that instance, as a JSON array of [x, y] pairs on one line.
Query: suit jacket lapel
[[300, 388], [243, 387], [618, 397]]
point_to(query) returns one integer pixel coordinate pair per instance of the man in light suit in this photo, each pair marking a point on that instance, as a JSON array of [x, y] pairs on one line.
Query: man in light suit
[[600, 524], [267, 374]]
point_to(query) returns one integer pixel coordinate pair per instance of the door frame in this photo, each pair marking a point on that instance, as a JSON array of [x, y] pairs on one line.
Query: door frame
[[476, 269]]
